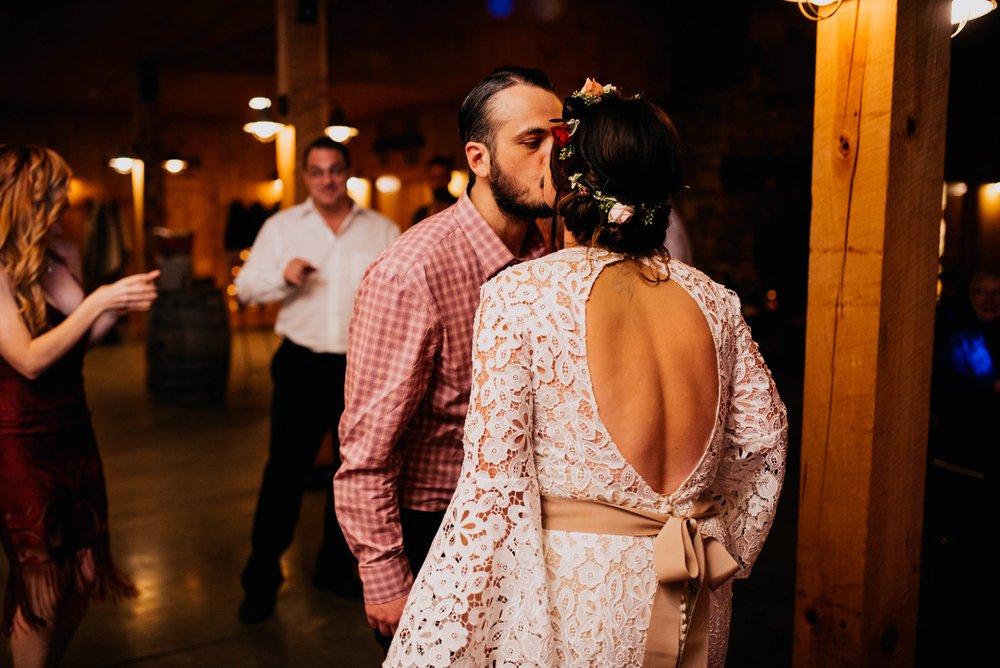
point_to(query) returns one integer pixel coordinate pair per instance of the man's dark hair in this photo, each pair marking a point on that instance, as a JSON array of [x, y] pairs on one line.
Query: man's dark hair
[[326, 142], [475, 120]]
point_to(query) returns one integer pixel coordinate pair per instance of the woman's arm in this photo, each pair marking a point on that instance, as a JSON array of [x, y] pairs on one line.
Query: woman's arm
[[69, 253], [752, 464], [102, 326], [31, 356], [482, 591]]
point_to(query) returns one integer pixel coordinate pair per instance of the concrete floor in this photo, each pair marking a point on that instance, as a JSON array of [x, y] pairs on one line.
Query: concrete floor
[[182, 483]]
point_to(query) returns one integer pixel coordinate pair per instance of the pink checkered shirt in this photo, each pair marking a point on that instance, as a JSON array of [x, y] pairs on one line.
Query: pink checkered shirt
[[409, 372]]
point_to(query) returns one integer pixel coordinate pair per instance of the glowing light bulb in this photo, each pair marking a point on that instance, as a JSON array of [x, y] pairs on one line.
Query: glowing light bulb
[[388, 184], [122, 164]]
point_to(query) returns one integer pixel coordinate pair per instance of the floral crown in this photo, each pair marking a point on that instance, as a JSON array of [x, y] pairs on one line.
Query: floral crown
[[618, 213]]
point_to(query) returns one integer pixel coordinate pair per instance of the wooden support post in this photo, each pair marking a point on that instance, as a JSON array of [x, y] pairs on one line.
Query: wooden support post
[[149, 145], [878, 163], [302, 74], [287, 161]]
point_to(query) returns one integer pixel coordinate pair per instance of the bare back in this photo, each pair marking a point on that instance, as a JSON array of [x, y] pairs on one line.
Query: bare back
[[654, 370]]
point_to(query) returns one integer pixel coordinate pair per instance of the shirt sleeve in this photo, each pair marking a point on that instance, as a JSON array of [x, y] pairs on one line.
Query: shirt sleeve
[[394, 337], [482, 592], [752, 463], [262, 277]]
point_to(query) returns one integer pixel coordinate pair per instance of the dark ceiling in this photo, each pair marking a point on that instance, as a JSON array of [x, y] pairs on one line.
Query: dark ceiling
[[83, 56], [213, 55]]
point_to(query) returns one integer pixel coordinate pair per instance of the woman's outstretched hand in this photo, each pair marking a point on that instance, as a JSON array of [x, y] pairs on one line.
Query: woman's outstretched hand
[[132, 293]]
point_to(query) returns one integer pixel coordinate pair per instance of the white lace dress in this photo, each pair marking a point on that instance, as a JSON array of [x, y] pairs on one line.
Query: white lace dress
[[497, 588]]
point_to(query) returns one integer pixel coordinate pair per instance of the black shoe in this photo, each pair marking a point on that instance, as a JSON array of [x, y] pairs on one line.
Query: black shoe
[[257, 607], [347, 586]]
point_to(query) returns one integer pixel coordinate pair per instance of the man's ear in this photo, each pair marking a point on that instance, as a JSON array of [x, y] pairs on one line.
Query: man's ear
[[478, 157]]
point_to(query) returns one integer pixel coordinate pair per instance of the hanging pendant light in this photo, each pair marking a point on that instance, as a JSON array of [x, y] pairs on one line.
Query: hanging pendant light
[[174, 163], [265, 125], [123, 163], [338, 128]]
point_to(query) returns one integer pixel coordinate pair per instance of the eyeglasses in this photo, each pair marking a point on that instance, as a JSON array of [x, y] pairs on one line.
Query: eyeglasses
[[332, 170]]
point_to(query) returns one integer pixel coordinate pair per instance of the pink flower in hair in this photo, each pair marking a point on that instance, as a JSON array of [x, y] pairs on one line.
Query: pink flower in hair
[[591, 87], [620, 213]]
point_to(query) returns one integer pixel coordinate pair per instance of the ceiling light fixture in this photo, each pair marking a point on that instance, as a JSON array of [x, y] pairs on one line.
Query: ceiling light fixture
[[123, 163], [174, 164], [265, 125], [338, 128]]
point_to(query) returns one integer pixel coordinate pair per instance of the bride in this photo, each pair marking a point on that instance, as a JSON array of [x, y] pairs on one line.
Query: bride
[[624, 445]]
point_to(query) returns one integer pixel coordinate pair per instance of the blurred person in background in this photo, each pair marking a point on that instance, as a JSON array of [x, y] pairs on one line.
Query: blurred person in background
[[438, 169], [310, 257], [53, 505]]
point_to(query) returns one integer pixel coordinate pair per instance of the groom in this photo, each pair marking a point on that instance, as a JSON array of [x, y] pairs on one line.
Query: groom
[[409, 365]]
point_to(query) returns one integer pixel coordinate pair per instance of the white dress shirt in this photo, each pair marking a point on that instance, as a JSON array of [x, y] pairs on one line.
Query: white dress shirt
[[316, 314]]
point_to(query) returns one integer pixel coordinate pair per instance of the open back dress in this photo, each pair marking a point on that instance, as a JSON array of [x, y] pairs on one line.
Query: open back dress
[[501, 588]]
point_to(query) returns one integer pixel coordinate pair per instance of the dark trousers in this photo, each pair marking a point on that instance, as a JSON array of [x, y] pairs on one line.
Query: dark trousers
[[307, 402], [419, 529]]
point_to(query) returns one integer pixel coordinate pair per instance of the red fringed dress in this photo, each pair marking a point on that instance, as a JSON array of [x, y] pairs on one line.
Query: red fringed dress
[[53, 507]]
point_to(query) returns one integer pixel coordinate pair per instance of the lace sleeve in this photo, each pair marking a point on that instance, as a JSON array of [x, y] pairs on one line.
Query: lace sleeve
[[752, 461], [481, 594]]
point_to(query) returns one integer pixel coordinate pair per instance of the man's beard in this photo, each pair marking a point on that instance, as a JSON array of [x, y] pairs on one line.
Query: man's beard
[[511, 200]]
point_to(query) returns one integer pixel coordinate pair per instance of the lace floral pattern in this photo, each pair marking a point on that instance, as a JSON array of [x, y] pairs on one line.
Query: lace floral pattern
[[496, 588]]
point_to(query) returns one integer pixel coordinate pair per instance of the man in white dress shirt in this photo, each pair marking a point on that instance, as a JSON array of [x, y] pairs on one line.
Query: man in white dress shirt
[[311, 258]]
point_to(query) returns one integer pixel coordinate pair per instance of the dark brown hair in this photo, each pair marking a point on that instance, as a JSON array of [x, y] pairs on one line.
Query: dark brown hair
[[475, 118], [628, 149], [325, 142]]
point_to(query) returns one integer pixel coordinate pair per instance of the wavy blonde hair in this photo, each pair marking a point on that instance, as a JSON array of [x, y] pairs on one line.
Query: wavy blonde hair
[[34, 183]]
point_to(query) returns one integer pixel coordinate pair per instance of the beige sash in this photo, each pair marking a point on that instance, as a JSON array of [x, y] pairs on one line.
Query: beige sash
[[684, 560]]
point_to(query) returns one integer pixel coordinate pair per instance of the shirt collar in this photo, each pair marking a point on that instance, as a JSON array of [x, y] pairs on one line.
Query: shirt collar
[[490, 250], [310, 209]]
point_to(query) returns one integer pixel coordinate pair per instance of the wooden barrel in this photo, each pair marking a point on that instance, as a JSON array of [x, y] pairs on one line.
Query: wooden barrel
[[187, 349]]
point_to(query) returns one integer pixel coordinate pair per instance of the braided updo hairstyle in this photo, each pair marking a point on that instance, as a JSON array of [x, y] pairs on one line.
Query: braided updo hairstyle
[[627, 148]]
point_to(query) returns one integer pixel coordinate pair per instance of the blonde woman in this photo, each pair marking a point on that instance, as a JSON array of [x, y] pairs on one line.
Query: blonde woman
[[53, 509]]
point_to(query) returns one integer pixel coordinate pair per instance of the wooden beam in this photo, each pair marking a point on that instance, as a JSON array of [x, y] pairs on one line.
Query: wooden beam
[[302, 73], [878, 164]]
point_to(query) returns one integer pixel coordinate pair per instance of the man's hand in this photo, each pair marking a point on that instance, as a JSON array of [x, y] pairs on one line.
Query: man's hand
[[384, 617], [297, 271]]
